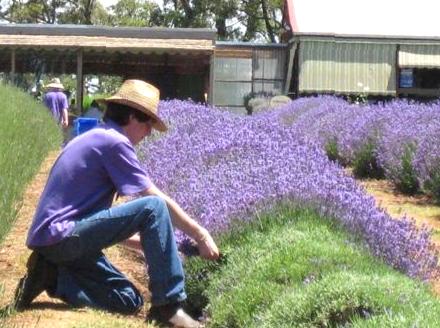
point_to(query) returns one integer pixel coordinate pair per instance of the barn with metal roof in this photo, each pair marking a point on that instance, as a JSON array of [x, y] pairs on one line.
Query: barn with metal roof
[[178, 61]]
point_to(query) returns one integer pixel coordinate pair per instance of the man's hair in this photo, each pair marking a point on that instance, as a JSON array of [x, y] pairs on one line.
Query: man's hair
[[120, 114]]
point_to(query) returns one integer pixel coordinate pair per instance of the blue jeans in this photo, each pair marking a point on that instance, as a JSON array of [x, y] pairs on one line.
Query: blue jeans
[[87, 278]]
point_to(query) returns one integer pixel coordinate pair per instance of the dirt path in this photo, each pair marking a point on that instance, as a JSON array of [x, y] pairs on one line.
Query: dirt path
[[50, 313], [418, 207]]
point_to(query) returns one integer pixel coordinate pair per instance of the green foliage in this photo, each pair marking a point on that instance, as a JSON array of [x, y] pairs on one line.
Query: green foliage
[[135, 13], [354, 299], [331, 149], [358, 99], [28, 133], [432, 186], [406, 180], [197, 282], [291, 268], [87, 101], [365, 162]]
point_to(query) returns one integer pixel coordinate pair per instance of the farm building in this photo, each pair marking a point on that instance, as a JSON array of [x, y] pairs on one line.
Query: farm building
[[377, 50], [178, 61]]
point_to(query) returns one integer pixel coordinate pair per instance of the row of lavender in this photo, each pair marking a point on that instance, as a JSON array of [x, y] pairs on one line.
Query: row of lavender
[[221, 167], [403, 137]]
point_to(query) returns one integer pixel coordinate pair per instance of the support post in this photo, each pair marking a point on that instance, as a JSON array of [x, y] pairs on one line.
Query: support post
[[79, 81], [291, 57], [13, 68], [211, 79]]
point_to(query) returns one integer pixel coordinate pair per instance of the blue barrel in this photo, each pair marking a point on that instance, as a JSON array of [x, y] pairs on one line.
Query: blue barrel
[[83, 124]]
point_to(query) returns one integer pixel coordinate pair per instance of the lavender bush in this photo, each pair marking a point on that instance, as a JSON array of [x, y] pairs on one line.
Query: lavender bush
[[375, 140], [220, 167], [427, 162]]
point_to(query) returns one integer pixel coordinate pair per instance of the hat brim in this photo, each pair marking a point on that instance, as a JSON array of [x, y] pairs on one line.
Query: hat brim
[[54, 86], [158, 124]]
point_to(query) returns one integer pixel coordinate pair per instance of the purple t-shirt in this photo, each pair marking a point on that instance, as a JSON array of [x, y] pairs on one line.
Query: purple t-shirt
[[56, 101], [83, 180]]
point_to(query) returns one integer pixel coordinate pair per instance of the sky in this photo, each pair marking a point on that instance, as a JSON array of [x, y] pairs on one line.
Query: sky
[[373, 17], [107, 3]]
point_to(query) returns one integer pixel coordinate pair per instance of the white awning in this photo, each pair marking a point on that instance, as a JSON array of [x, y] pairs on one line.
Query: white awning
[[419, 55]]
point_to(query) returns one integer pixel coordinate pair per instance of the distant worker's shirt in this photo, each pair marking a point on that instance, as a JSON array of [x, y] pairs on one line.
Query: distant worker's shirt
[[83, 180], [56, 101]]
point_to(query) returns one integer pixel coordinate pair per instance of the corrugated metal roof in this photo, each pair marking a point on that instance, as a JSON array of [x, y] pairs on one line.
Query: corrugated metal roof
[[419, 55], [142, 40], [341, 67], [109, 31], [108, 43]]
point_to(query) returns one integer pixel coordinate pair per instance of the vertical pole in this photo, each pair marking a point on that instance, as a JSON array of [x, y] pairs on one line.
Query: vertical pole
[[211, 79], [397, 92], [79, 81], [13, 68], [253, 64], [291, 55]]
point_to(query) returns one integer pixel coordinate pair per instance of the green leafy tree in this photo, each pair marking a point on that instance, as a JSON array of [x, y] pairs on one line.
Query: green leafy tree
[[31, 11], [136, 13], [49, 12], [247, 20], [79, 12]]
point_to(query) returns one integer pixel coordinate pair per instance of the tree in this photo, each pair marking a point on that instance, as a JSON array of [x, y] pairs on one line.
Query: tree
[[136, 13], [247, 20], [78, 12], [31, 11], [49, 12]]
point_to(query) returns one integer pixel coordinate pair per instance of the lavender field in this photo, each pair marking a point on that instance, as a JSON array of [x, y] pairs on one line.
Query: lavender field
[[221, 167]]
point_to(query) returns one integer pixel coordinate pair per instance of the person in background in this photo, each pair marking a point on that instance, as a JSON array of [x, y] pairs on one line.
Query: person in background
[[56, 100], [75, 220]]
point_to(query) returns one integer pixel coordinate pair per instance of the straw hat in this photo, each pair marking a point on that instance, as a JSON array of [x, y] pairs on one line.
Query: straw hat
[[139, 95], [55, 83]]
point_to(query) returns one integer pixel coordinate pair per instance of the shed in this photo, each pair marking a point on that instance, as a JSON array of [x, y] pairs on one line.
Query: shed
[[371, 65], [177, 60], [378, 49]]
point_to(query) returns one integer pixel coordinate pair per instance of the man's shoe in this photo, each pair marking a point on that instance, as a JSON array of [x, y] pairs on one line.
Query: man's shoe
[[172, 315], [41, 275]]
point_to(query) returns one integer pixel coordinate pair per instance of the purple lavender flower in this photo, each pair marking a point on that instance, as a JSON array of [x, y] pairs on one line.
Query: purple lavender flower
[[221, 167]]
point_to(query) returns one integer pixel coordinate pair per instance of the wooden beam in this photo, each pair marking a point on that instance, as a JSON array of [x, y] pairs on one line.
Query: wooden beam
[[289, 72], [211, 80], [12, 66], [79, 81]]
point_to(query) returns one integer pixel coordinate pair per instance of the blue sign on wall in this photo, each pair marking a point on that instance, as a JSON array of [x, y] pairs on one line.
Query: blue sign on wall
[[406, 78]]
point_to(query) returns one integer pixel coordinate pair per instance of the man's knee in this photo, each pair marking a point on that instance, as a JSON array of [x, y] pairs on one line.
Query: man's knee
[[155, 202], [156, 212], [157, 206]]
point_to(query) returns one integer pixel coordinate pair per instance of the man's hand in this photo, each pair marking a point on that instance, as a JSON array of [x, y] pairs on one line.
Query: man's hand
[[206, 245]]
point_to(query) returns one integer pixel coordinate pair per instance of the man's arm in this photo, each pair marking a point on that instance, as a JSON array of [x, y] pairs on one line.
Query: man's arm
[[65, 118], [64, 104], [182, 221]]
